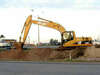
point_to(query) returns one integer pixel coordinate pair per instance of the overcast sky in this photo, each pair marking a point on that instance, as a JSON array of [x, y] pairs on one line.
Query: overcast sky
[[82, 16]]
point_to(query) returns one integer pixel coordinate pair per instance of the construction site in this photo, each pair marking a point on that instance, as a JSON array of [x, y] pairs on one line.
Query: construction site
[[70, 47]]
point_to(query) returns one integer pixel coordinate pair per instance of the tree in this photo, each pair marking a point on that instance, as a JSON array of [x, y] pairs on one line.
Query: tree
[[2, 36], [54, 42], [51, 41]]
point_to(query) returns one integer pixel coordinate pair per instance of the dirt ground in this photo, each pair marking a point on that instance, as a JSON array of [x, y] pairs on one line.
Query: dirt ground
[[37, 54], [44, 54], [92, 52]]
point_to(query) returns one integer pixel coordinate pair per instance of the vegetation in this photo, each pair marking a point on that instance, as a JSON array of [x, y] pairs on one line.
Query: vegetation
[[2, 36], [54, 42]]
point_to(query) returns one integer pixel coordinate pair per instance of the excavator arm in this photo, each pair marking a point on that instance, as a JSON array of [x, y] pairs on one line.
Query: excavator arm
[[25, 29], [43, 22]]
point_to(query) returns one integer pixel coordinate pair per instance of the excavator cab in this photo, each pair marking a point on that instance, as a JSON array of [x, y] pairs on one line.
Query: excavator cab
[[67, 36], [69, 40]]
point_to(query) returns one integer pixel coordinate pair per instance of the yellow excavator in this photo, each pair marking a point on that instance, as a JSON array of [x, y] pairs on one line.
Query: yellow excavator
[[68, 38]]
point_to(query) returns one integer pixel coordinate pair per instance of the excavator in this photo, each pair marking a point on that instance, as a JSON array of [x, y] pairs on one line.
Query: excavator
[[68, 38]]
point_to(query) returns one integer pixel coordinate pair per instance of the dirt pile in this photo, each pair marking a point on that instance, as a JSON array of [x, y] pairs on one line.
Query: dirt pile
[[67, 53], [12, 54], [97, 46], [39, 54], [92, 52], [36, 54]]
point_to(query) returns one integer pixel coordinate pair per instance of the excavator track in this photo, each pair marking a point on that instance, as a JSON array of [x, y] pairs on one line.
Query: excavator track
[[61, 48]]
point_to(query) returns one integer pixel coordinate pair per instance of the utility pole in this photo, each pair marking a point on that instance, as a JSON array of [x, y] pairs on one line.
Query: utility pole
[[70, 56], [28, 39], [38, 35]]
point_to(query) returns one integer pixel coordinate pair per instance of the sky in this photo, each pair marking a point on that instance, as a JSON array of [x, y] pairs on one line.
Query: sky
[[81, 16]]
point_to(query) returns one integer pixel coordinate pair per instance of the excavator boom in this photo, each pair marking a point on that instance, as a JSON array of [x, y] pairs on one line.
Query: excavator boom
[[44, 22], [53, 25]]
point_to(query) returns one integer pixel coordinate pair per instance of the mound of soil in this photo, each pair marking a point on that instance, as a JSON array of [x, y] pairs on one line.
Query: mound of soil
[[36, 54], [39, 54], [92, 52]]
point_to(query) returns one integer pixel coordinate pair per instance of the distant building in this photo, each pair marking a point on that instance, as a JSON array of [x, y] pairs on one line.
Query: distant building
[[96, 42], [6, 43], [10, 40]]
